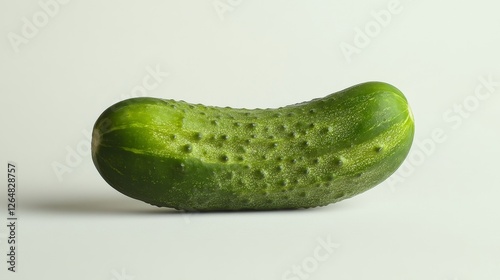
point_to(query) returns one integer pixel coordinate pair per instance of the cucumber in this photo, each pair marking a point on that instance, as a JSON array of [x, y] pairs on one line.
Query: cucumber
[[204, 158]]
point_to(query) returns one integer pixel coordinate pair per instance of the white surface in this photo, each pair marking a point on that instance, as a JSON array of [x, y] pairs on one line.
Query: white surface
[[439, 222]]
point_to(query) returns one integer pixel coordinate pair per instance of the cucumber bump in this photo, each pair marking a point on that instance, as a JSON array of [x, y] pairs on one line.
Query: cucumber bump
[[204, 158]]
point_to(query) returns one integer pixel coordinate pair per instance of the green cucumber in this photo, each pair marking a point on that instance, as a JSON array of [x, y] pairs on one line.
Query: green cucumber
[[204, 158]]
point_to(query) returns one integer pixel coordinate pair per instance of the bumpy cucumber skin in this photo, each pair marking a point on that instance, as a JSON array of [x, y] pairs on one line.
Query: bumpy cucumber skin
[[201, 158]]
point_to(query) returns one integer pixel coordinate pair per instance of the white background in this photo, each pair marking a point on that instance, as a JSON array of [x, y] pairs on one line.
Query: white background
[[63, 63]]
